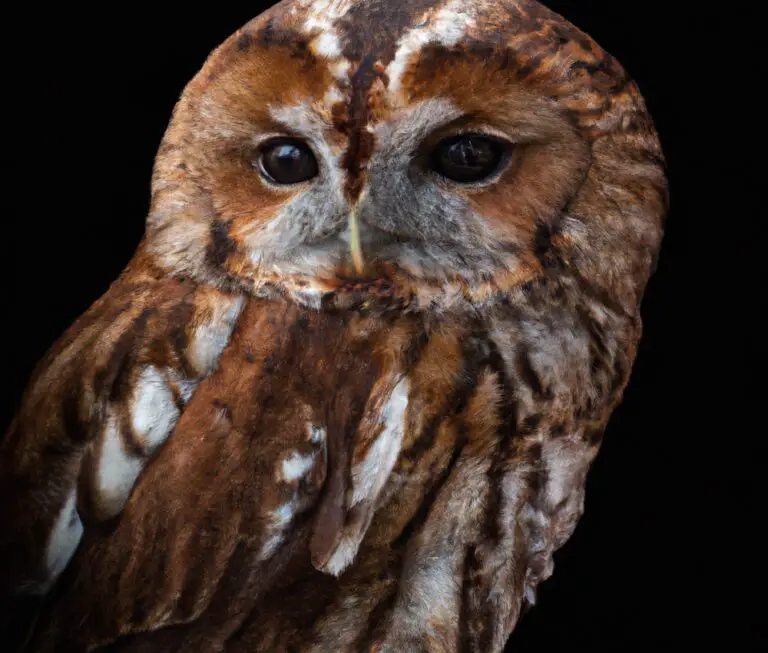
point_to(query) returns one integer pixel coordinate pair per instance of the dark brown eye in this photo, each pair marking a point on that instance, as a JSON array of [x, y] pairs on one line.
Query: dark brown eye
[[468, 157], [287, 161]]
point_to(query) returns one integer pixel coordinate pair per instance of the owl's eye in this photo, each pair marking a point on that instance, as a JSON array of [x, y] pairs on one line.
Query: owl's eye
[[466, 158], [286, 161]]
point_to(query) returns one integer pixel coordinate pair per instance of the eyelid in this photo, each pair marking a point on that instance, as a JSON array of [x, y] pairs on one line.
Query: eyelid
[[464, 125], [260, 140], [505, 152], [477, 134], [276, 140], [259, 145], [485, 131]]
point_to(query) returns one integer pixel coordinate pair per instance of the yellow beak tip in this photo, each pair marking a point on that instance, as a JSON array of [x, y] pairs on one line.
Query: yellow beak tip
[[355, 248]]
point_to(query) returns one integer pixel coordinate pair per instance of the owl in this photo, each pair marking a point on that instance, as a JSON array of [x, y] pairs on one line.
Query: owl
[[347, 392]]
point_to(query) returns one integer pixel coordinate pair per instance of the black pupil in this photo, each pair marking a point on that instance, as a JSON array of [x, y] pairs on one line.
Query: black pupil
[[467, 158], [288, 162]]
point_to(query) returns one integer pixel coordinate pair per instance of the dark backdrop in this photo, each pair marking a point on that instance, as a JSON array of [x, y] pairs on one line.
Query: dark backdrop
[[667, 553]]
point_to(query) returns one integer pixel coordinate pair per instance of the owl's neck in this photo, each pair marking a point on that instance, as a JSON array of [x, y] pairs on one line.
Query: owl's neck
[[394, 290]]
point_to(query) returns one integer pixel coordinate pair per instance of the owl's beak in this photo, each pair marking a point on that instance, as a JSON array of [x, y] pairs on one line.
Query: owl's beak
[[355, 249]]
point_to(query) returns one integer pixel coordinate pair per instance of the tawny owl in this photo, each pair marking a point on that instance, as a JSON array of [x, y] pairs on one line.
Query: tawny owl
[[346, 394]]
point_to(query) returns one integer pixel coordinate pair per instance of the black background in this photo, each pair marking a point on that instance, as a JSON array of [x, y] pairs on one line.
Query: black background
[[668, 553]]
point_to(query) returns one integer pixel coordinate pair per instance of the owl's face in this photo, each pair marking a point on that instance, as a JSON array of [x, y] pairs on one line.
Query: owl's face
[[443, 139]]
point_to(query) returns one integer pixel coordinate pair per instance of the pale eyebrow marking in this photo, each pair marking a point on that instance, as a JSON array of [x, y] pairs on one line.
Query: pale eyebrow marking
[[445, 26], [320, 22]]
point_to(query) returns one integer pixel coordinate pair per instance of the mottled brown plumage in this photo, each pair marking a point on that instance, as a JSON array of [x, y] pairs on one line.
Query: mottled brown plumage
[[248, 445]]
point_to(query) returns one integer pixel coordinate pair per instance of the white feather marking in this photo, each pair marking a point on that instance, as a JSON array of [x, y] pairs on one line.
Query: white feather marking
[[340, 69], [316, 434], [567, 460], [325, 12], [279, 521], [369, 476], [291, 468], [154, 412], [283, 515], [63, 540], [271, 544], [343, 556], [446, 26], [295, 466], [327, 45], [186, 389], [320, 23], [117, 469], [310, 298], [332, 96], [212, 337]]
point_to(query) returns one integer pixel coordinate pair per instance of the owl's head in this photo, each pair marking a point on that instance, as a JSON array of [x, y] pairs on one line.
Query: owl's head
[[461, 143]]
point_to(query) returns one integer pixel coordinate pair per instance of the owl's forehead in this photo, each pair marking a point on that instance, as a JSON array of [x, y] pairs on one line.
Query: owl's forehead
[[353, 65], [358, 41], [358, 28], [390, 30]]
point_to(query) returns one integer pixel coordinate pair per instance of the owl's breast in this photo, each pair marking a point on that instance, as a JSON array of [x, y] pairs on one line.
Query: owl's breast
[[337, 466]]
